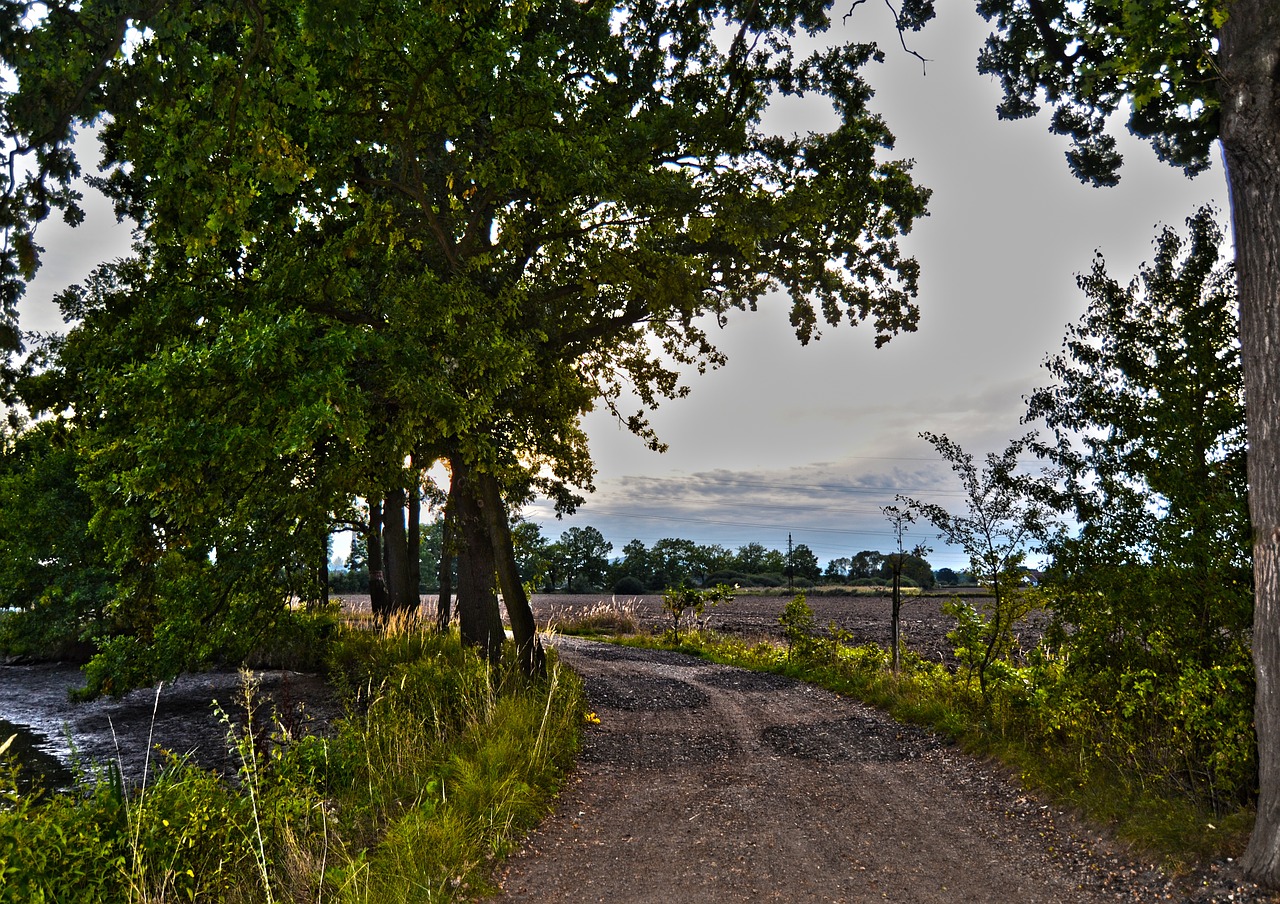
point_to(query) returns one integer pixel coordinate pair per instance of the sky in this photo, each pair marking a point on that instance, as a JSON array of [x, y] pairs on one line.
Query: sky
[[811, 442]]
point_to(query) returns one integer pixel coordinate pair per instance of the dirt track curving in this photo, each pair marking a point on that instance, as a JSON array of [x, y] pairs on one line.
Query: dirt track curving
[[704, 783]]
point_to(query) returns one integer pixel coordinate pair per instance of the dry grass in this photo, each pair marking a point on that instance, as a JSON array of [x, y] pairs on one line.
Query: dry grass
[[603, 617]]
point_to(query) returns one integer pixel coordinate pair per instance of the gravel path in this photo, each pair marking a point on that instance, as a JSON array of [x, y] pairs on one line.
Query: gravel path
[[705, 783]]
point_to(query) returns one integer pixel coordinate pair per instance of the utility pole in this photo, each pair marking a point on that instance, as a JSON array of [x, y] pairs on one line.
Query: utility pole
[[791, 566]]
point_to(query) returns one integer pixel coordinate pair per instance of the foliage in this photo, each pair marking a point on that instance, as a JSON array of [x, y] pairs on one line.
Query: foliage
[[1157, 59], [677, 601], [1005, 516], [357, 258], [1189, 73], [362, 815], [804, 563], [798, 626], [1149, 423], [53, 571], [579, 560]]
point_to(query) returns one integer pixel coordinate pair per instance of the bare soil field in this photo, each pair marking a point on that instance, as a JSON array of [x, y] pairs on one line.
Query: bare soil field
[[751, 615], [754, 615]]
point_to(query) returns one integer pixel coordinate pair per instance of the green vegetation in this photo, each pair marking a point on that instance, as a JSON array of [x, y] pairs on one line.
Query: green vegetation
[[440, 763], [358, 259]]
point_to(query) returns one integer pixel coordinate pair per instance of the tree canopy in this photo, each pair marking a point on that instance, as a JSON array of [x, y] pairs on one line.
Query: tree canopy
[[1148, 416], [374, 238]]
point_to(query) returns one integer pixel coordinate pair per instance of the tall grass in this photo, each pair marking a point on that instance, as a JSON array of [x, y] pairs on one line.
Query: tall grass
[[439, 765]]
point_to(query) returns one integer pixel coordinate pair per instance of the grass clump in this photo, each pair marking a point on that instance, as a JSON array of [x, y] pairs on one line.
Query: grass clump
[[611, 617], [438, 767]]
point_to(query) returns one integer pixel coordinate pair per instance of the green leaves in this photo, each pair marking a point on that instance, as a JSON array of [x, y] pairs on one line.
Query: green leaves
[[1148, 414], [378, 234], [1160, 59]]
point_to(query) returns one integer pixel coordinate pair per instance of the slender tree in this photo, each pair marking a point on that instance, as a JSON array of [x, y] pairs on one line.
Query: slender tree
[[900, 520], [1005, 517]]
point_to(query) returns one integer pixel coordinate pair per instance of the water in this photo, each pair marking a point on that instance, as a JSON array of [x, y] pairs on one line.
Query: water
[[30, 751]]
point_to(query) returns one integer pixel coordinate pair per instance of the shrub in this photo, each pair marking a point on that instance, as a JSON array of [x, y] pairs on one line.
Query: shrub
[[679, 600], [630, 585]]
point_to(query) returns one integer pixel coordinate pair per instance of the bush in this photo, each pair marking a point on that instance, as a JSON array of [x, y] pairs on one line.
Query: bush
[[630, 585]]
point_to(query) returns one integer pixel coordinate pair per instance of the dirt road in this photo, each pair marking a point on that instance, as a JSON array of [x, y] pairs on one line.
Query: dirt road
[[704, 783]]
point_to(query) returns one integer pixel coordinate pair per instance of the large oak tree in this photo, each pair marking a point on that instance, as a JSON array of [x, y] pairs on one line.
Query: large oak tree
[[442, 232]]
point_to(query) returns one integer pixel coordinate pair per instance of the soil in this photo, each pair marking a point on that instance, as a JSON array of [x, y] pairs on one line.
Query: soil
[[706, 783], [924, 625]]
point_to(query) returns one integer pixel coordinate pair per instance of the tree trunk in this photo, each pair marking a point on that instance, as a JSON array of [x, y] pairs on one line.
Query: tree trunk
[[444, 576], [478, 613], [378, 599], [895, 630], [401, 596], [533, 660], [415, 544], [1250, 52]]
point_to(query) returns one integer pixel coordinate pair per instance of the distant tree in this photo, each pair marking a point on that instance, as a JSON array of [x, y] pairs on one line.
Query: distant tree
[[866, 564], [585, 558], [531, 552], [677, 562], [756, 558], [804, 563], [635, 566], [947, 577], [837, 569], [429, 551], [913, 567]]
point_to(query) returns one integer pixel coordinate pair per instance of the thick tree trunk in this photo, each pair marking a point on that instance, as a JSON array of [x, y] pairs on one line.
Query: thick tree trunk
[[1250, 51], [478, 613], [377, 577], [444, 576], [533, 660], [402, 597]]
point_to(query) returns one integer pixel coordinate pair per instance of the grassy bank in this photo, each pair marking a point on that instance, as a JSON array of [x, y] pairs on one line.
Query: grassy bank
[[439, 765]]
